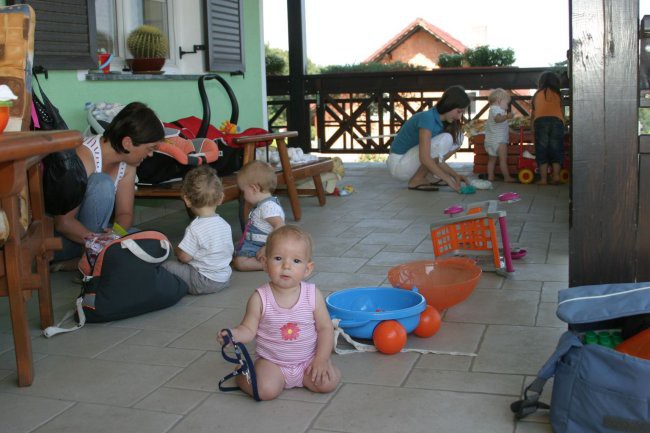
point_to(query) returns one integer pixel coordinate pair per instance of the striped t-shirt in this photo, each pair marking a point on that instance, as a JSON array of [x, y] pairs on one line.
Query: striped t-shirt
[[287, 336], [496, 132], [209, 241]]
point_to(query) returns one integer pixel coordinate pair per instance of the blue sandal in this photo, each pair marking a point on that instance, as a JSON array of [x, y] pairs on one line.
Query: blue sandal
[[246, 366]]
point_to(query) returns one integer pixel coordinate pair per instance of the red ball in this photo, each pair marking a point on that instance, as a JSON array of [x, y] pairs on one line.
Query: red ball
[[389, 337], [429, 322]]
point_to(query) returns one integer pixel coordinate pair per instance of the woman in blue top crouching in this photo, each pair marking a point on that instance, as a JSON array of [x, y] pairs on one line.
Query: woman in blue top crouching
[[426, 140]]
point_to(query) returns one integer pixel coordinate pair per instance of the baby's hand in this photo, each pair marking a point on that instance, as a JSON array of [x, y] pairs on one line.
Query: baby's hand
[[221, 337], [320, 371], [510, 115], [260, 253]]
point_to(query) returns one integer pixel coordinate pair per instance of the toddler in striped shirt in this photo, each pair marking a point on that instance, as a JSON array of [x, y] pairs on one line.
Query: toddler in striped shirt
[[289, 320], [204, 254]]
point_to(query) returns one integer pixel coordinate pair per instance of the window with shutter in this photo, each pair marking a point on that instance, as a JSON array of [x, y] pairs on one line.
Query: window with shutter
[[65, 33], [224, 27]]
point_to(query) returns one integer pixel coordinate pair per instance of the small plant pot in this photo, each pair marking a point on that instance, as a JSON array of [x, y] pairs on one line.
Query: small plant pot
[[146, 66]]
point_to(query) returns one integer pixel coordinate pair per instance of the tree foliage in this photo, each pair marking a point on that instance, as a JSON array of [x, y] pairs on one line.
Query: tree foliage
[[370, 67], [450, 60], [277, 62], [480, 56]]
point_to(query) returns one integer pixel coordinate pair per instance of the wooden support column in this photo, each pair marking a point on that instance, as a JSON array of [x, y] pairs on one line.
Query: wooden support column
[[297, 113], [604, 124]]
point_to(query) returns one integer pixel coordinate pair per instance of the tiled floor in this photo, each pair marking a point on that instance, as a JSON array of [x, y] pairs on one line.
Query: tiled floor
[[158, 372]]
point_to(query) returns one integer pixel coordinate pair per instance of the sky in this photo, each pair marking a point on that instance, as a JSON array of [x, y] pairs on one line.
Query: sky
[[349, 31]]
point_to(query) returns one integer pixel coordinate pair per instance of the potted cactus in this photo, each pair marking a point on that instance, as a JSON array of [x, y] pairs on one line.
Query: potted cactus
[[149, 48]]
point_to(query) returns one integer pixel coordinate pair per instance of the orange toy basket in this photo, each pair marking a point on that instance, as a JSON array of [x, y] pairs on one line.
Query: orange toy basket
[[467, 237]]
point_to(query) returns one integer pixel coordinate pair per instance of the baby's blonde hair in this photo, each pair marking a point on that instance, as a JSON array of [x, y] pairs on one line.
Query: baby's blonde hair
[[498, 95], [202, 187], [259, 173], [286, 231]]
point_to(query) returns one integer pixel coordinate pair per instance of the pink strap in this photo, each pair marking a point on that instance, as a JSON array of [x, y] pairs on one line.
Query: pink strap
[[37, 124]]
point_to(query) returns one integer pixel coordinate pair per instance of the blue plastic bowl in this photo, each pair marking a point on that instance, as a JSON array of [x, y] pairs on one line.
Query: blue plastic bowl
[[362, 309]]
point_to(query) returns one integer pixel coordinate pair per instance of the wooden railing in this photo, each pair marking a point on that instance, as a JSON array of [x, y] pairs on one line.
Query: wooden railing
[[359, 112]]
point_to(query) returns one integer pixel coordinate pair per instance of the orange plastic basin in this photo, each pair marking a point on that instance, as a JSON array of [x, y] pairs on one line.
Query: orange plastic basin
[[443, 282]]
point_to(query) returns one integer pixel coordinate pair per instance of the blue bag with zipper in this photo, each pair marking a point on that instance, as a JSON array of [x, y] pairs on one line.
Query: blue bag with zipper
[[596, 389]]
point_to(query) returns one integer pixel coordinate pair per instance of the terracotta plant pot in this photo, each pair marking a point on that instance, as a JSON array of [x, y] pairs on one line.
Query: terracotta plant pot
[[146, 66]]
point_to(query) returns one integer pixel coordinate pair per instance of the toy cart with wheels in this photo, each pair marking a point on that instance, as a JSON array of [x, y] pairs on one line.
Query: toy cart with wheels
[[526, 164], [470, 231], [361, 309], [385, 315]]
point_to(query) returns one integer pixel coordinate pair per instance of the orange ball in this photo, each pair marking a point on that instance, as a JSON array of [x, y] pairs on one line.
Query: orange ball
[[389, 337], [429, 322]]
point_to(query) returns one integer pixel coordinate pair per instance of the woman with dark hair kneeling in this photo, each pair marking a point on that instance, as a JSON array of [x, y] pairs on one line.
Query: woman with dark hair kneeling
[[110, 161], [426, 140]]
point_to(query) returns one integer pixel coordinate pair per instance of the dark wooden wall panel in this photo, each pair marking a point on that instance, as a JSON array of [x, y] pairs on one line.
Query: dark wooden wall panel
[[588, 136], [643, 237], [621, 140], [604, 136]]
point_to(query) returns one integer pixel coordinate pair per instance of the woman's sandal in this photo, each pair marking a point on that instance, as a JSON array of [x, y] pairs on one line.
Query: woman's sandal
[[439, 182]]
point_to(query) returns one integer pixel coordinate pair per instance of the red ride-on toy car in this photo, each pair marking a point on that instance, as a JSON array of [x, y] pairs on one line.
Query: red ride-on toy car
[[527, 166]]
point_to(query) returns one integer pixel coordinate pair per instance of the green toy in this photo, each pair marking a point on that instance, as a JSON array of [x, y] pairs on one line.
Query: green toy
[[467, 189]]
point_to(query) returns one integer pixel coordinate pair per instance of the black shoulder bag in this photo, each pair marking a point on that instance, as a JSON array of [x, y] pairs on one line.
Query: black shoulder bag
[[48, 115], [64, 175]]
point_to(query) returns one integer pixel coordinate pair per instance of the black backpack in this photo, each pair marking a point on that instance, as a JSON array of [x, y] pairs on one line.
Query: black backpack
[[125, 280]]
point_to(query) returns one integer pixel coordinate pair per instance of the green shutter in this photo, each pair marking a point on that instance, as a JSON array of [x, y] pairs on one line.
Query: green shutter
[[65, 33], [224, 35]]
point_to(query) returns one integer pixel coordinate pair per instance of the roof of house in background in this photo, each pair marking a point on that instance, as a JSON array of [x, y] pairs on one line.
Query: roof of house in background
[[416, 25]]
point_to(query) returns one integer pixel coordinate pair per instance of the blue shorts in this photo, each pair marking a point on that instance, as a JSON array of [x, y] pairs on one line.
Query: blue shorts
[[248, 248], [549, 140]]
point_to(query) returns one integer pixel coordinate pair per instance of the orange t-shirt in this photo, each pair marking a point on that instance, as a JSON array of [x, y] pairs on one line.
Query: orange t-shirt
[[547, 104]]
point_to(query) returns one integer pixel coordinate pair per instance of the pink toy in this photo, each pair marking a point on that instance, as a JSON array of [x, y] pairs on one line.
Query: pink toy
[[509, 197], [454, 209], [517, 253]]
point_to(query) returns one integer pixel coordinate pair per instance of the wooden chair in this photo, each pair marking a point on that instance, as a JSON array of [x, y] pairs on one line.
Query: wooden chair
[[27, 249]]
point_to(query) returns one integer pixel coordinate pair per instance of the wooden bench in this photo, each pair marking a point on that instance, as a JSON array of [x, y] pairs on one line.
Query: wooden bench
[[287, 174]]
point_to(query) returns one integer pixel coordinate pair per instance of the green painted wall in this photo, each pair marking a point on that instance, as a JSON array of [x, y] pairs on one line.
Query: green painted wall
[[171, 99]]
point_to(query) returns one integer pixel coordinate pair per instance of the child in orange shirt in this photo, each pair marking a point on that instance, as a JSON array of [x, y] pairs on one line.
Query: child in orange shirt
[[547, 118]]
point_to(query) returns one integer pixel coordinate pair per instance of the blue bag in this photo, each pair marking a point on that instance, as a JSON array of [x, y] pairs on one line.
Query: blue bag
[[596, 389]]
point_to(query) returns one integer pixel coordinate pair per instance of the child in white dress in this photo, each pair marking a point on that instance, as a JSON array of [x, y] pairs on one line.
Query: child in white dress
[[497, 134]]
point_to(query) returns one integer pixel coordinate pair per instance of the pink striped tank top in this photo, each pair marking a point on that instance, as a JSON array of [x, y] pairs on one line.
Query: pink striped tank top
[[287, 336]]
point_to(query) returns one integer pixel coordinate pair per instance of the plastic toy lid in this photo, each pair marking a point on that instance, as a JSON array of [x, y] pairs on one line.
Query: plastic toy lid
[[509, 197], [454, 209]]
